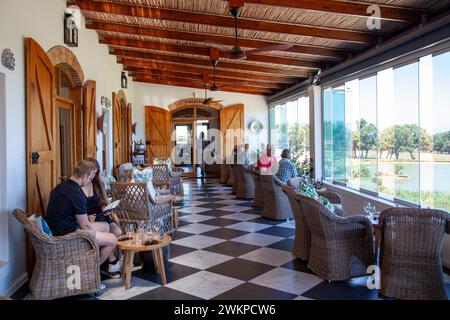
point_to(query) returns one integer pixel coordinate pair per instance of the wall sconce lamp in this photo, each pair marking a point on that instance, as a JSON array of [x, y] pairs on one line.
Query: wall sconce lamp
[[70, 30], [124, 81]]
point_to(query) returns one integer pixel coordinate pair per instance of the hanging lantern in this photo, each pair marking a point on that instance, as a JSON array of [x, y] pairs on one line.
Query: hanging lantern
[[70, 30], [124, 81]]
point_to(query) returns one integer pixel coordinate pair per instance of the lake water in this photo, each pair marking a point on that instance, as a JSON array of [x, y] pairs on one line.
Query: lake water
[[431, 176]]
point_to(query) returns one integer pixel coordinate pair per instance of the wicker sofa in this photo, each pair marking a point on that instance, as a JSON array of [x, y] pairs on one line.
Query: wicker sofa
[[411, 253], [245, 186], [276, 202], [341, 247], [136, 204], [55, 256]]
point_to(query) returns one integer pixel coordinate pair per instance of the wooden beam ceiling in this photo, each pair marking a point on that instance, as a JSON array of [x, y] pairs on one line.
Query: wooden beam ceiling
[[204, 51], [226, 21], [355, 9], [209, 38], [203, 62], [198, 79], [152, 51], [191, 85], [154, 68]]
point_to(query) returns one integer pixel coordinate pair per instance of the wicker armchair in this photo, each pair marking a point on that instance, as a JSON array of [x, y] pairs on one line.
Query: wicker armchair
[[276, 202], [341, 247], [137, 205], [55, 256], [333, 197], [411, 253], [231, 180], [163, 177], [245, 186], [302, 243], [258, 199], [224, 173]]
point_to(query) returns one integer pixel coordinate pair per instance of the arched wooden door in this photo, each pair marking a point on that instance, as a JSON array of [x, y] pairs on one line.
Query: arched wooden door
[[40, 120]]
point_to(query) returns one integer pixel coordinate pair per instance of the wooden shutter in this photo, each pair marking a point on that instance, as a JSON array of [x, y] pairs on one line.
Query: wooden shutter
[[158, 130], [117, 132], [90, 120], [40, 121]]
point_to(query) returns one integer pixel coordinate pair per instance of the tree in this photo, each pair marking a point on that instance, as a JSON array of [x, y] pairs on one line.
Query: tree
[[404, 138], [441, 142], [368, 133]]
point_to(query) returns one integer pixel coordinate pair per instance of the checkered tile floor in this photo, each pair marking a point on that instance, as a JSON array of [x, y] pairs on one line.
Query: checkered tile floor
[[225, 250]]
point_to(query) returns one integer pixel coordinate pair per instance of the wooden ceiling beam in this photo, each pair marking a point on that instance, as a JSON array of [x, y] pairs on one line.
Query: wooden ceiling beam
[[179, 76], [190, 85], [220, 84], [225, 21], [205, 38], [204, 51], [355, 9], [159, 68], [206, 63]]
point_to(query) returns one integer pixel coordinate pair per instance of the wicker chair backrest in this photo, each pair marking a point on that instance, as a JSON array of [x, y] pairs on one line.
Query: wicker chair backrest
[[134, 202], [417, 232]]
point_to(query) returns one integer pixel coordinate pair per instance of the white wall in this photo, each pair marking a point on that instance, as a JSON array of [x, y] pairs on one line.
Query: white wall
[[162, 96], [43, 21]]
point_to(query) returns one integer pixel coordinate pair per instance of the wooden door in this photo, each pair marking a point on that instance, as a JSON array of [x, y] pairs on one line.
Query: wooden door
[[90, 120], [64, 138], [127, 132], [232, 128], [40, 120], [117, 131], [158, 131]]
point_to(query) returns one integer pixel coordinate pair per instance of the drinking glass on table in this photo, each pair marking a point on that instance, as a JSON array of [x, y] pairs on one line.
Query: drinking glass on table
[[140, 232], [370, 209], [130, 230]]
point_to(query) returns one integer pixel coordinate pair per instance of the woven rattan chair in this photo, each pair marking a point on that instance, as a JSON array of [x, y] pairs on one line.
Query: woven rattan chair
[[276, 202], [333, 197], [163, 177], [231, 180], [302, 243], [224, 174], [55, 256], [137, 205], [258, 199], [411, 253], [245, 186], [341, 247]]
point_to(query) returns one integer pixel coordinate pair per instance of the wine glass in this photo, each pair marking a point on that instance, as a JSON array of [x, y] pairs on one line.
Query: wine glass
[[369, 209], [130, 230]]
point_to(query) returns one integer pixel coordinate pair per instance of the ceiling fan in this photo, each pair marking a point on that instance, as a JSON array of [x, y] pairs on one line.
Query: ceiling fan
[[208, 101], [214, 54], [237, 53]]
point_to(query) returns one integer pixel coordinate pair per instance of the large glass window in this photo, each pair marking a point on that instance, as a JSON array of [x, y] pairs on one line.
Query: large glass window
[[289, 128], [389, 133]]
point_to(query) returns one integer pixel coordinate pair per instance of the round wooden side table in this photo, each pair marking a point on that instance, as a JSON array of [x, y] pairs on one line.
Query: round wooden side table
[[129, 248]]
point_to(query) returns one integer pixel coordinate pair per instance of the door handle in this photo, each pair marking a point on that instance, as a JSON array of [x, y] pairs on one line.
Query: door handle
[[35, 158], [148, 142]]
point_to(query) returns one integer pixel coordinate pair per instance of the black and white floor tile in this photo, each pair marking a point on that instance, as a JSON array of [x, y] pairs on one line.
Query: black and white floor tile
[[225, 250]]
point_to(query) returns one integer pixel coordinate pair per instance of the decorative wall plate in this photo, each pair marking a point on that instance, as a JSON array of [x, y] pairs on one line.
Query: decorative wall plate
[[8, 60], [256, 127]]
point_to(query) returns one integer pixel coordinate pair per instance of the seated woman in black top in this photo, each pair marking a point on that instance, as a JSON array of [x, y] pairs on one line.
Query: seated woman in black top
[[96, 201], [67, 210]]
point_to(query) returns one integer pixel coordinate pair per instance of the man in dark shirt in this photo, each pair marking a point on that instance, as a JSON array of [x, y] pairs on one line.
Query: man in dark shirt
[[67, 210]]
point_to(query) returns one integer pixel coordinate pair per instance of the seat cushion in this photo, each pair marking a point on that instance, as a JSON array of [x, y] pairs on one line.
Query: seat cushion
[[308, 190], [41, 224]]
